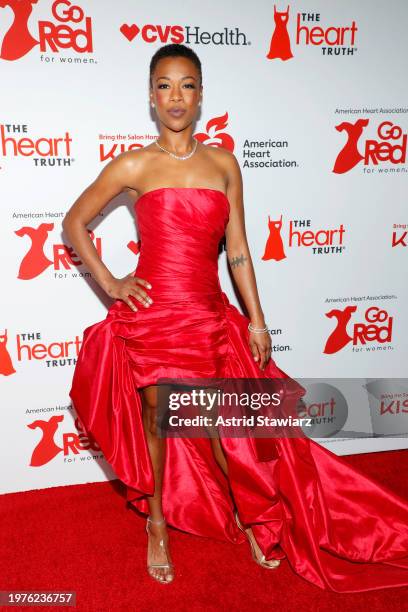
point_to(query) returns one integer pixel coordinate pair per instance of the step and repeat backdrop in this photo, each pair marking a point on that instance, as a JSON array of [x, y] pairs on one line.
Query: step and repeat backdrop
[[311, 98]]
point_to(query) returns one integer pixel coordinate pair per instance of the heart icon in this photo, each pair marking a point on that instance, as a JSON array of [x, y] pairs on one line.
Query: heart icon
[[129, 31]]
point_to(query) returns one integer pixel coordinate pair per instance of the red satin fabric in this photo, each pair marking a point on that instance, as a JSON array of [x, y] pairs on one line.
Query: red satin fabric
[[337, 528]]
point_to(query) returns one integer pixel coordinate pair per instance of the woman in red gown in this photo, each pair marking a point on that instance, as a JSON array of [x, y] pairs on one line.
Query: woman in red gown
[[289, 497]]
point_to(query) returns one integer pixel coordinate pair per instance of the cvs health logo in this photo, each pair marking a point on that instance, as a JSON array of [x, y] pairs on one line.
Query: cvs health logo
[[310, 32], [71, 443], [67, 29], [389, 144], [301, 234], [157, 33], [61, 256], [376, 326]]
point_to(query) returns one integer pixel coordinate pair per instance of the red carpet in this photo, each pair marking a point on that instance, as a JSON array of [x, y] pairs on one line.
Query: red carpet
[[82, 538]]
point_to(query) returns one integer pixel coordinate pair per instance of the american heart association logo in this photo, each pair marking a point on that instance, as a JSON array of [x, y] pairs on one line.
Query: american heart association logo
[[129, 31]]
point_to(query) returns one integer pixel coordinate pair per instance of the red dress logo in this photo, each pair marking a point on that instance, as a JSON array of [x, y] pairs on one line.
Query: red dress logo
[[339, 336], [34, 261], [280, 41], [46, 449], [274, 245], [18, 41], [349, 156], [6, 365]]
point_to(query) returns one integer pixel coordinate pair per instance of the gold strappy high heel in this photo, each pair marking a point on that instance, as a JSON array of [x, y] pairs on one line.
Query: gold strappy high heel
[[168, 576], [267, 564]]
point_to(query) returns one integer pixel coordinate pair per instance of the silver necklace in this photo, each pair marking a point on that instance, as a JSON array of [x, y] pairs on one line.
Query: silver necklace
[[182, 157]]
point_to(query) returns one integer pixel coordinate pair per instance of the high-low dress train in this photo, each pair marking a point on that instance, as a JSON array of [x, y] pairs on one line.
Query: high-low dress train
[[336, 527]]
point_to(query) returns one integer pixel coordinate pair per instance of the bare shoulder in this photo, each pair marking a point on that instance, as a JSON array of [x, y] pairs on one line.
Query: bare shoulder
[[227, 162], [125, 172], [129, 165]]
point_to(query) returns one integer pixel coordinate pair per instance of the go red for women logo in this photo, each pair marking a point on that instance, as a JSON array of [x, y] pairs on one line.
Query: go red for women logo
[[389, 144], [309, 32], [69, 28], [43, 254], [70, 444], [376, 327], [61, 257]]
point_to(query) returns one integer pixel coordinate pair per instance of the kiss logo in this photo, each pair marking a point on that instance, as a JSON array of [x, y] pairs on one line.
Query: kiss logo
[[215, 135]]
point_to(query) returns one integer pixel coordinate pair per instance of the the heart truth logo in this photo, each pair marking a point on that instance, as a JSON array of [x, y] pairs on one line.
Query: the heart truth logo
[[72, 443], [70, 29], [390, 145], [50, 151], [301, 234], [31, 348], [332, 40], [376, 327]]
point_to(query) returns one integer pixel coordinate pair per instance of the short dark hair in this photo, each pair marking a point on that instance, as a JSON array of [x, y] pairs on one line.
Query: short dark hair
[[175, 50]]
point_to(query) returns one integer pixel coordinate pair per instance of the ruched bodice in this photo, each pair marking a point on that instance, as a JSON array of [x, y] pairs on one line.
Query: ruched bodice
[[180, 230]]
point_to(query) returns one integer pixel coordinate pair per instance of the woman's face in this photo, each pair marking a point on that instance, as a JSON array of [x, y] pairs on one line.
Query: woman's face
[[176, 87]]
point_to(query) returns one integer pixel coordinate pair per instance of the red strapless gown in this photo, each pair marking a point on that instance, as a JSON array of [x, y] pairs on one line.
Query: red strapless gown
[[337, 528]]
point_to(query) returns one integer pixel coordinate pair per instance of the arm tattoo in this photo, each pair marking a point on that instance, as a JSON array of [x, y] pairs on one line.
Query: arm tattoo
[[237, 261]]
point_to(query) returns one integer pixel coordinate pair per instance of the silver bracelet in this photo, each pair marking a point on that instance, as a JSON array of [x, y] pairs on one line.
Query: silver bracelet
[[257, 330]]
